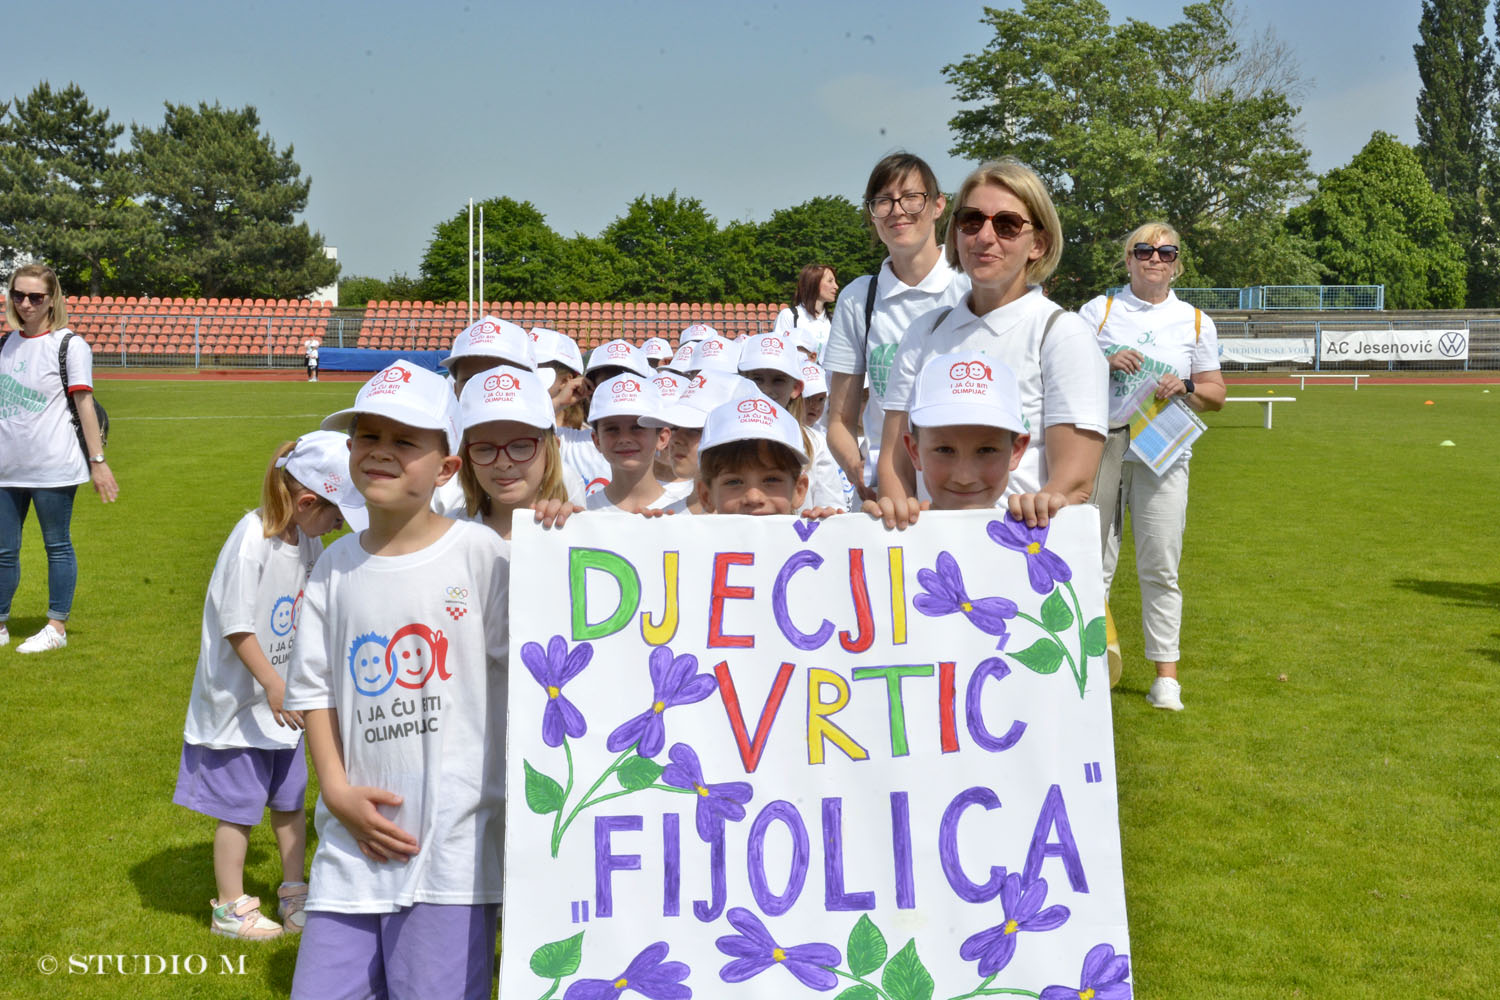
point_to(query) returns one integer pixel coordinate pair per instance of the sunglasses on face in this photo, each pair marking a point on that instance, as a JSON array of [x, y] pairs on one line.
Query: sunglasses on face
[[35, 298], [1143, 251], [520, 451], [1008, 225]]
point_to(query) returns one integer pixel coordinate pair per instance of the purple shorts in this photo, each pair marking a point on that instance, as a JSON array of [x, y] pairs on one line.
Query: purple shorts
[[427, 950], [237, 785]]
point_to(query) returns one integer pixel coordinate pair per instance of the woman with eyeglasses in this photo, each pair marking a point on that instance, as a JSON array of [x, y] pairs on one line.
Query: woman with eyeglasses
[[49, 444], [1149, 335], [1005, 237]]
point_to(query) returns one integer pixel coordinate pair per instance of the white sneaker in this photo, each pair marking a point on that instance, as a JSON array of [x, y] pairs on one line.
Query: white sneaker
[[47, 638], [1165, 693], [4, 636]]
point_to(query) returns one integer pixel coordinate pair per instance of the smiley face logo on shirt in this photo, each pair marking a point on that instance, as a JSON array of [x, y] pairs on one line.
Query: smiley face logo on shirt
[[283, 615], [367, 665], [415, 653]]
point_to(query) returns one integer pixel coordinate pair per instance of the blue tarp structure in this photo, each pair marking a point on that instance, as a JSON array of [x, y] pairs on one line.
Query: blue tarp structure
[[350, 359]]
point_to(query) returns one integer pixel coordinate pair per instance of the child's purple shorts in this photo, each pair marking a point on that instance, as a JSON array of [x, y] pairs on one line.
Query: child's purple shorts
[[237, 785], [428, 950]]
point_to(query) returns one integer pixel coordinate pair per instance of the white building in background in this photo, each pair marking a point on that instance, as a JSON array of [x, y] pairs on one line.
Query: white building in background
[[328, 293]]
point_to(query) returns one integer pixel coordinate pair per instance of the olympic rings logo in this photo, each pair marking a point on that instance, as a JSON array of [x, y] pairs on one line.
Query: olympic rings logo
[[757, 406], [971, 369], [458, 593]]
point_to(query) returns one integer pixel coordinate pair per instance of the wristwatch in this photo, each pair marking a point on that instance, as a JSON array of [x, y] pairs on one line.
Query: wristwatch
[[97, 459], [1187, 384]]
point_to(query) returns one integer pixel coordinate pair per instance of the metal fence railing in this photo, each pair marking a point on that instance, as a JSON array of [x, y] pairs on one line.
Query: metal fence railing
[[1269, 297], [1481, 336]]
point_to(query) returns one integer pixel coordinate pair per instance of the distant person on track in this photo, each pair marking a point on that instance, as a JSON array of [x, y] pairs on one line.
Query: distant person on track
[[312, 360], [49, 443]]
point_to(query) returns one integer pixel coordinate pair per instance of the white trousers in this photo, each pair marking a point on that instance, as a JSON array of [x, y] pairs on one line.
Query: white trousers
[[1158, 515]]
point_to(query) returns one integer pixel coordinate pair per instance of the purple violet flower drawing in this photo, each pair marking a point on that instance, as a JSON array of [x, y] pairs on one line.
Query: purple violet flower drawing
[[1103, 977], [716, 803], [996, 946], [647, 975], [1045, 568], [674, 681], [552, 670], [754, 951], [945, 595]]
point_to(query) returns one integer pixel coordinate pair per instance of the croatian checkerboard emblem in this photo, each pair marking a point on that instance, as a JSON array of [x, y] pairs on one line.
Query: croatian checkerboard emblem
[[457, 602]]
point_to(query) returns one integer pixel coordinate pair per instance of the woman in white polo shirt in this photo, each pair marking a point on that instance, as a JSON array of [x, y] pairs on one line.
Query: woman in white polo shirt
[[1006, 238], [1147, 331], [807, 321]]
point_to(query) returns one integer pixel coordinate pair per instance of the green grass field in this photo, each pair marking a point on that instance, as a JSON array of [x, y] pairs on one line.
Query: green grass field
[[1320, 822]]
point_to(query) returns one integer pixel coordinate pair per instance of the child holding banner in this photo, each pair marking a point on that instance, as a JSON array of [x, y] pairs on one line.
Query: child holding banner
[[751, 459], [772, 363], [399, 670], [966, 434], [630, 447]]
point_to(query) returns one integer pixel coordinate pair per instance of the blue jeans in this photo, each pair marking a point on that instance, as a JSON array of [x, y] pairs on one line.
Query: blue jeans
[[54, 511]]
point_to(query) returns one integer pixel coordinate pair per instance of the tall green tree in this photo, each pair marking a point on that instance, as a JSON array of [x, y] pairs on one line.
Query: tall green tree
[[828, 230], [227, 199], [523, 257], [1455, 118], [669, 250], [1131, 123], [1377, 221], [67, 195]]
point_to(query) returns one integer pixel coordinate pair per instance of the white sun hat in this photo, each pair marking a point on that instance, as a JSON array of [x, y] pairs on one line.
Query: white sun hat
[[407, 394], [814, 380], [966, 388], [772, 351], [657, 349], [700, 394], [751, 418], [619, 354], [625, 395], [506, 394], [669, 385], [319, 460], [696, 332], [492, 337], [716, 354], [549, 345], [682, 361]]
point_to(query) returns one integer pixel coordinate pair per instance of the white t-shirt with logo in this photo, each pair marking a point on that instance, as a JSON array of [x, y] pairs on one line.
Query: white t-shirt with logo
[[897, 307], [1171, 335], [256, 587], [1063, 382], [38, 446], [585, 470], [411, 652]]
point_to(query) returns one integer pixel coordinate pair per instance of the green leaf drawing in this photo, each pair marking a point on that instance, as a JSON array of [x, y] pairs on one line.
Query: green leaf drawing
[[859, 991], [905, 977], [1094, 641], [1055, 613], [1043, 656], [867, 948], [558, 959], [543, 795], [638, 772]]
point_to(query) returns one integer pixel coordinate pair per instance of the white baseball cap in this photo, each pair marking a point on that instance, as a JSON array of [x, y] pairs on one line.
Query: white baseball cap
[[549, 345], [696, 332], [506, 394], [669, 385], [625, 395], [716, 354], [814, 380], [657, 348], [750, 418], [408, 394], [319, 460], [773, 351], [492, 337], [682, 361], [619, 354], [700, 394], [967, 388]]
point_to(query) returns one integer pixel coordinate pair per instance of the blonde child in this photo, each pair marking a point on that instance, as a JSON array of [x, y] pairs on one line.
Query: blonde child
[[630, 446], [241, 747], [399, 672], [557, 355], [966, 436]]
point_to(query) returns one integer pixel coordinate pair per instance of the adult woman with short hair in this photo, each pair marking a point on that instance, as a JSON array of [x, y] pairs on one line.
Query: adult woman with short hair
[[807, 320], [1148, 334], [1005, 237], [41, 460]]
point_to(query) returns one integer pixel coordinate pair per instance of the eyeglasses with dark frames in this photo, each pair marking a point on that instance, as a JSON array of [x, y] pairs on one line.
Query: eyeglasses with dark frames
[[520, 451]]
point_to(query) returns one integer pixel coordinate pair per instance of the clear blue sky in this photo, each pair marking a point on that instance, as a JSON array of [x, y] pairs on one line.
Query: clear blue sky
[[402, 111]]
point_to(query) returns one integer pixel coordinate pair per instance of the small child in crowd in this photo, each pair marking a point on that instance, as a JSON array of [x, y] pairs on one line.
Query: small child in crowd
[[487, 343], [241, 747], [630, 447], [751, 459], [399, 671], [773, 364]]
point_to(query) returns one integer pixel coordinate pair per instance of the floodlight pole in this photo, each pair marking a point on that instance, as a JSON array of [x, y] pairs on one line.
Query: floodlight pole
[[481, 257], [471, 262]]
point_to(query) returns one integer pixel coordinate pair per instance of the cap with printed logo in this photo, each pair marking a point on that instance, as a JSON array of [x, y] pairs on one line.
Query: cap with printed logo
[[657, 349], [506, 394], [492, 337], [619, 354], [752, 418], [700, 394], [625, 395], [716, 354], [669, 385], [682, 361], [772, 351], [549, 345], [694, 333], [407, 394], [319, 460], [966, 388], [814, 380]]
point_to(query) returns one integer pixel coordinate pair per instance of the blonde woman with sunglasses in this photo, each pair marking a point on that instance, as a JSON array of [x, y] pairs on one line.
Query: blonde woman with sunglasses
[[1148, 333]]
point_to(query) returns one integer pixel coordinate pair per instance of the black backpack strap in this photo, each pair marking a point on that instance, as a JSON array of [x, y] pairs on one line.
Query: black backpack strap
[[794, 315], [870, 310], [62, 373]]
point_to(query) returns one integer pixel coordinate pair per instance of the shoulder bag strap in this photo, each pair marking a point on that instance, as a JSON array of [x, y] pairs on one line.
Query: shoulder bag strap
[[62, 374], [870, 310], [1109, 303], [1197, 324]]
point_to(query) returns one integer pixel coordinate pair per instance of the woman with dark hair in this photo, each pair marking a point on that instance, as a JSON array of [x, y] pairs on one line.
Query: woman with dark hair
[[807, 321], [42, 461]]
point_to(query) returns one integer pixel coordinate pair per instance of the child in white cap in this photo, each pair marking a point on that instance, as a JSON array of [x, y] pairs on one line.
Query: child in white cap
[[751, 459], [488, 342], [771, 361], [670, 387], [584, 469], [657, 350], [685, 417], [630, 446], [510, 452], [241, 748], [967, 434], [400, 671]]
